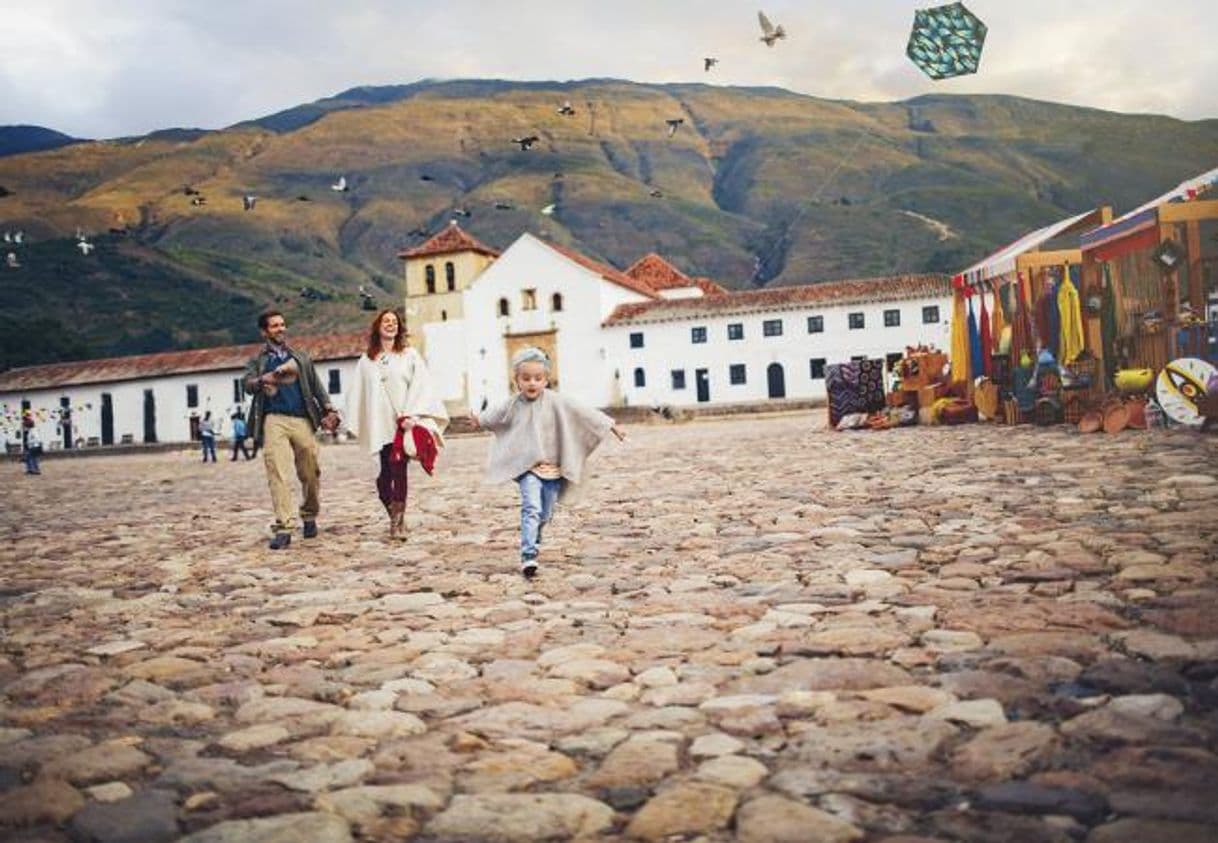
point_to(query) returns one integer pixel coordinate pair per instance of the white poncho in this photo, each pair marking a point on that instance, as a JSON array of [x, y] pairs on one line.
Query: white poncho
[[395, 384], [553, 428]]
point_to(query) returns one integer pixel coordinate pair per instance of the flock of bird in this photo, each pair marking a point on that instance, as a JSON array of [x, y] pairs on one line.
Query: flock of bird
[[770, 34]]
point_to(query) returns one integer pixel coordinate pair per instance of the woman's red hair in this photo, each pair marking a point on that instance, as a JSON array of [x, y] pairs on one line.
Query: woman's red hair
[[374, 334]]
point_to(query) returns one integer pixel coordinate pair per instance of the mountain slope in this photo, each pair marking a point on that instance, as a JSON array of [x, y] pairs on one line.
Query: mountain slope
[[757, 185], [15, 140]]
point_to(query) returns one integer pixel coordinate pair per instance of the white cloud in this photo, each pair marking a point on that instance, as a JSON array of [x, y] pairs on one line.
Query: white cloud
[[131, 66]]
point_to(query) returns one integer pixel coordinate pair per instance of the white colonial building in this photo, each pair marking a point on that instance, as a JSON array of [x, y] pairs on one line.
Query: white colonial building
[[772, 343], [149, 398], [650, 334]]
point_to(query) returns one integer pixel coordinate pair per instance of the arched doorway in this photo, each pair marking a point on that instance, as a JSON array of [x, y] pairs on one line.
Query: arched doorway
[[776, 380]]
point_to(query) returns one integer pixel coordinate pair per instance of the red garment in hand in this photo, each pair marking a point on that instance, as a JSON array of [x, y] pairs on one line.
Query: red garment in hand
[[424, 447]]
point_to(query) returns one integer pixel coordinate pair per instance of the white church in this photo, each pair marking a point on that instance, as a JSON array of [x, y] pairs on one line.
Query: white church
[[645, 336], [648, 335]]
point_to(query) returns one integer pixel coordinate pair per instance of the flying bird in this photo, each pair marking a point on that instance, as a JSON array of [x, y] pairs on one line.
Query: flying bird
[[19, 237], [8, 237], [566, 109], [656, 193], [12, 261], [85, 247], [418, 232], [187, 190], [770, 33], [198, 200], [340, 185], [504, 206], [425, 177], [463, 212], [526, 143], [674, 123], [303, 198], [709, 62], [247, 202], [548, 210]]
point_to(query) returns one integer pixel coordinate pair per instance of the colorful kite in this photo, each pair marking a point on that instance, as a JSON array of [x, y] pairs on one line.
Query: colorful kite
[[946, 41]]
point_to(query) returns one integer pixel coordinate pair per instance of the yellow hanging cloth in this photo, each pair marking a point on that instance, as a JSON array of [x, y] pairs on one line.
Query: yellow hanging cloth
[[998, 320], [960, 352], [1072, 342]]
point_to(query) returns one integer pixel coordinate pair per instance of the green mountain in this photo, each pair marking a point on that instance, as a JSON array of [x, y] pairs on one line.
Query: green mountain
[[755, 186]]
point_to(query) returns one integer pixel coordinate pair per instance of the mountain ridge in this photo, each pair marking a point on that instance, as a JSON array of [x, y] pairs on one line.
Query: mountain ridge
[[757, 186]]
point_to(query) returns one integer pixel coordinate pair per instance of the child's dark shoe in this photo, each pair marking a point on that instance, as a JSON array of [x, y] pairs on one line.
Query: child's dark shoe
[[528, 568]]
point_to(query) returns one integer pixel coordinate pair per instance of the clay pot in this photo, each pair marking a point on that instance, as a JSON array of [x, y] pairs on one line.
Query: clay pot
[[1090, 422], [1116, 418], [1137, 414]]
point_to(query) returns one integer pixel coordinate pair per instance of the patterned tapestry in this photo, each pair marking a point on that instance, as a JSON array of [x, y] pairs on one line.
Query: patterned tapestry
[[855, 387]]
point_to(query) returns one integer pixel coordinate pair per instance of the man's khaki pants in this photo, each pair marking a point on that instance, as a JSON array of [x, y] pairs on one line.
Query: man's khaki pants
[[288, 441]]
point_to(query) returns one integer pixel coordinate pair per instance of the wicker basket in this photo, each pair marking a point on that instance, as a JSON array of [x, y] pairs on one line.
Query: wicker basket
[[1011, 414]]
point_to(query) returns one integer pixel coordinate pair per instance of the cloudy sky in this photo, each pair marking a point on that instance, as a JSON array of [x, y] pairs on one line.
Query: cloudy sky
[[94, 68]]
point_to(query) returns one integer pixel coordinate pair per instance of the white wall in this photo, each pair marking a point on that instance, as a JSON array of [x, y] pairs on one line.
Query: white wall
[[583, 368], [215, 393], [668, 347]]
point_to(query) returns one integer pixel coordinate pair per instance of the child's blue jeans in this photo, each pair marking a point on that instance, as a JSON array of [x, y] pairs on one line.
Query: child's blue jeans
[[537, 499]]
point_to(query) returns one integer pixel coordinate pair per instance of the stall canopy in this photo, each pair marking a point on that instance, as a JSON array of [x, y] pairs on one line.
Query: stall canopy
[[1004, 261], [1138, 229]]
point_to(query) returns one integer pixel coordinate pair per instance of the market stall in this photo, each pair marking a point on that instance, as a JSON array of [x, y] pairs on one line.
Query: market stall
[[1160, 262], [1020, 349]]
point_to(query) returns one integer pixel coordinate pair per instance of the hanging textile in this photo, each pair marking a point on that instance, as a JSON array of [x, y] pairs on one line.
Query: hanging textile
[[1048, 322], [974, 343], [960, 351], [1071, 315], [1108, 326], [1022, 339], [998, 318], [987, 344], [855, 387], [1055, 318]]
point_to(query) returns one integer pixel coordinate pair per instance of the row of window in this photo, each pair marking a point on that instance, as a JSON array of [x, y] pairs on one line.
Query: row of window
[[528, 301], [737, 374], [816, 325], [334, 386]]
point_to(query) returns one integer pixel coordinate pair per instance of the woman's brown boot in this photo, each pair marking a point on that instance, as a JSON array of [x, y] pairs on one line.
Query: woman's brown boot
[[397, 521]]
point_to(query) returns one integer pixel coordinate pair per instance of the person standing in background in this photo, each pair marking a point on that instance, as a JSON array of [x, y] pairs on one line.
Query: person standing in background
[[207, 435], [239, 438]]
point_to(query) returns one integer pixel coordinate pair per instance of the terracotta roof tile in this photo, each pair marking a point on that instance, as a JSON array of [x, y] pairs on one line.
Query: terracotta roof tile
[[604, 270], [77, 373], [855, 291], [709, 287], [452, 239], [659, 274]]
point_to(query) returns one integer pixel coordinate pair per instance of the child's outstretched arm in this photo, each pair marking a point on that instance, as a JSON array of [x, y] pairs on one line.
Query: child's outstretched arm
[[494, 419]]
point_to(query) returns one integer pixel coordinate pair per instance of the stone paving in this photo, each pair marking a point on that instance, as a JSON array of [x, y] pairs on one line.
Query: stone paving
[[748, 630]]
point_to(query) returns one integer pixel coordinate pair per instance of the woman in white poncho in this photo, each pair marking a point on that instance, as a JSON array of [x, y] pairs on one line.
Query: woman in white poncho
[[394, 413]]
